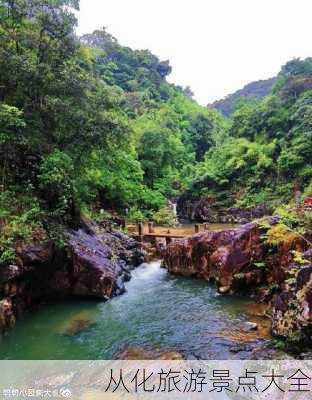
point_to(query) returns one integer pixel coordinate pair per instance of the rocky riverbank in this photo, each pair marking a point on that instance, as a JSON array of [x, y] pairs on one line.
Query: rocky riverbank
[[94, 263], [243, 260]]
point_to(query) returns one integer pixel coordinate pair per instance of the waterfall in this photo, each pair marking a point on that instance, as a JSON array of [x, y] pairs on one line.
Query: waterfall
[[174, 209]]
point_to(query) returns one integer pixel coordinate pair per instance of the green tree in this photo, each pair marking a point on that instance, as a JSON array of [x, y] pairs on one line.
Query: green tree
[[11, 140]]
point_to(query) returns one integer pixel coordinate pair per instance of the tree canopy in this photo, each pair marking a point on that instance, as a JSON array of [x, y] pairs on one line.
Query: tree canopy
[[87, 124]]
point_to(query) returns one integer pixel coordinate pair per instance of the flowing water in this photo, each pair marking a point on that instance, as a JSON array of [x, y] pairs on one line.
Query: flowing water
[[158, 311]]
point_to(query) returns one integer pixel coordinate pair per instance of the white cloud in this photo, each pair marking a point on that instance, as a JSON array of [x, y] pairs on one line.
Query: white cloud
[[214, 46]]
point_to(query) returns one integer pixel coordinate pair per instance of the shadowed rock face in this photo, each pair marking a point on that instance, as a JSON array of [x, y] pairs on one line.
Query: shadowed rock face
[[95, 272], [206, 210], [95, 264]]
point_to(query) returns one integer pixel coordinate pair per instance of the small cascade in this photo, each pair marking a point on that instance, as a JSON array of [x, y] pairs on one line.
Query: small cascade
[[173, 205], [174, 209]]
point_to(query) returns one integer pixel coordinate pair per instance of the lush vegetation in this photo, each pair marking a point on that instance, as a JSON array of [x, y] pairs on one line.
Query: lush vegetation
[[267, 153], [88, 125]]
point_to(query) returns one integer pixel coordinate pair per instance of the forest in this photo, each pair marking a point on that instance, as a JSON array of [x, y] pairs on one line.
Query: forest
[[90, 127]]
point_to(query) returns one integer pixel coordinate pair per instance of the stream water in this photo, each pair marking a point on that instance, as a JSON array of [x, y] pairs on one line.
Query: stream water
[[158, 311]]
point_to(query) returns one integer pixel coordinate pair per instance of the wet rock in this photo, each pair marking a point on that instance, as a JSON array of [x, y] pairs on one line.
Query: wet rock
[[224, 289], [267, 352], [228, 257], [94, 264], [37, 256], [7, 317], [307, 255], [240, 348], [238, 335], [100, 263], [258, 310], [258, 329], [292, 309], [11, 272], [250, 326], [171, 356], [95, 271]]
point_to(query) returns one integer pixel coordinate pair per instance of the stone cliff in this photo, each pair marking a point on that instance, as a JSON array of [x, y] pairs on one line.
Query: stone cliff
[[94, 264]]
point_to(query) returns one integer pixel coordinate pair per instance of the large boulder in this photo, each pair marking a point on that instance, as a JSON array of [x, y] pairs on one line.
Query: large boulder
[[95, 263], [99, 263], [228, 257]]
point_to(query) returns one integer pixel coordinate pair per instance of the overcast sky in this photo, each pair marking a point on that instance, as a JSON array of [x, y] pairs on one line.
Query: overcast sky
[[214, 46]]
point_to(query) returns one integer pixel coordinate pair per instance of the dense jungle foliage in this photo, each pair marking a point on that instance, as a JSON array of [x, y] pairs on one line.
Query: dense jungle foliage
[[267, 151], [88, 125]]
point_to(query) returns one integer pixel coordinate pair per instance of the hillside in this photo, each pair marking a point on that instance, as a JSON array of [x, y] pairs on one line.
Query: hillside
[[91, 127], [254, 90], [87, 127], [267, 151]]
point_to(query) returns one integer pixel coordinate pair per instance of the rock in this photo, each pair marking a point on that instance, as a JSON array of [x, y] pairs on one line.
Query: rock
[[95, 275], [240, 348], [171, 356], [37, 256], [292, 309], [95, 264], [7, 318], [258, 310], [308, 255], [238, 259], [226, 257], [224, 289], [238, 335], [11, 272], [206, 209], [99, 263], [250, 326]]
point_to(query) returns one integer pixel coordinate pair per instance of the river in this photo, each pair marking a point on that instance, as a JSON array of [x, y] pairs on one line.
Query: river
[[157, 311]]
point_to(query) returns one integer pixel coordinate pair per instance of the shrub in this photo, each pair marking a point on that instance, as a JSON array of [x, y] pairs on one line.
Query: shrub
[[279, 234], [55, 178], [20, 219], [165, 217], [288, 217], [136, 216]]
